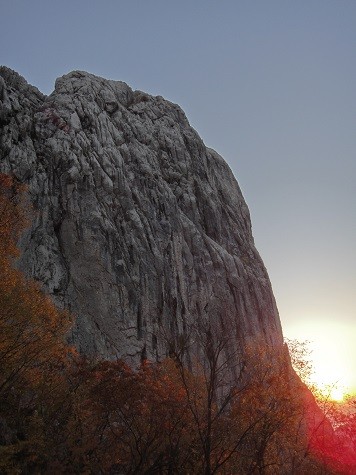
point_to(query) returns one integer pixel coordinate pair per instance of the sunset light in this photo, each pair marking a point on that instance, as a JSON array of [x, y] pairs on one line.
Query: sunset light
[[338, 394], [332, 380], [334, 391], [331, 355], [177, 237]]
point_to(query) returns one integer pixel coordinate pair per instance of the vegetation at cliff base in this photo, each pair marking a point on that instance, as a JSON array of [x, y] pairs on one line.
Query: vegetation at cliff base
[[62, 413]]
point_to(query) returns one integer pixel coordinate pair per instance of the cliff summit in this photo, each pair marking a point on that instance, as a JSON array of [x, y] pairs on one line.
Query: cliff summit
[[138, 228]]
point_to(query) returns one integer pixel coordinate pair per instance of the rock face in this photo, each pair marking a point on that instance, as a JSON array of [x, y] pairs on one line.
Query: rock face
[[139, 229]]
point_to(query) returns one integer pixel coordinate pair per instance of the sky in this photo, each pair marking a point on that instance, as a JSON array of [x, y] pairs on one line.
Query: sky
[[271, 86]]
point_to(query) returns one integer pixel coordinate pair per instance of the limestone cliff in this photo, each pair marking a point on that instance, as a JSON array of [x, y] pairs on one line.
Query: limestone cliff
[[139, 228]]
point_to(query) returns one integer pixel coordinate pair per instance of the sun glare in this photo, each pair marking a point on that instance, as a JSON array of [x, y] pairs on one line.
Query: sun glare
[[334, 392], [330, 376], [332, 356], [337, 394]]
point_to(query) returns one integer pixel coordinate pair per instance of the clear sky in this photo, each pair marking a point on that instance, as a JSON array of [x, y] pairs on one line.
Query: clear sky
[[270, 85]]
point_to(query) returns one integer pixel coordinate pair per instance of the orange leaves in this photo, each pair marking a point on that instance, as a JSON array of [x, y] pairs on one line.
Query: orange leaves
[[6, 181], [136, 418], [32, 329], [13, 216], [60, 414], [33, 352]]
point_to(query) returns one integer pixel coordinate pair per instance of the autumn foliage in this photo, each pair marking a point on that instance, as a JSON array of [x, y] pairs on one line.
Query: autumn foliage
[[33, 353], [62, 413]]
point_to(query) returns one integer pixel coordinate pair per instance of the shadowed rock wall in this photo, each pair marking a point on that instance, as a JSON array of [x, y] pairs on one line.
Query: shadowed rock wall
[[139, 228]]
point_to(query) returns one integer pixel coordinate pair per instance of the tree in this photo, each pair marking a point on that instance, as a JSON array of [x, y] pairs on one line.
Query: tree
[[331, 438], [131, 421], [210, 407], [250, 412], [33, 351], [210, 385]]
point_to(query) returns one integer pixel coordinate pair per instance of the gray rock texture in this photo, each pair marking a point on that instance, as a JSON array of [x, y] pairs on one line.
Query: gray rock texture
[[139, 229]]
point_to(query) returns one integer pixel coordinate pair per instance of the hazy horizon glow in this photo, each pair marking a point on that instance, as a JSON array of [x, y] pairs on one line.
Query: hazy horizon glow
[[271, 87], [333, 364]]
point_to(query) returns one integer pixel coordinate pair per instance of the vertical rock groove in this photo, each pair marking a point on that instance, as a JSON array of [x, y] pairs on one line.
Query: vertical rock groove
[[138, 228]]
